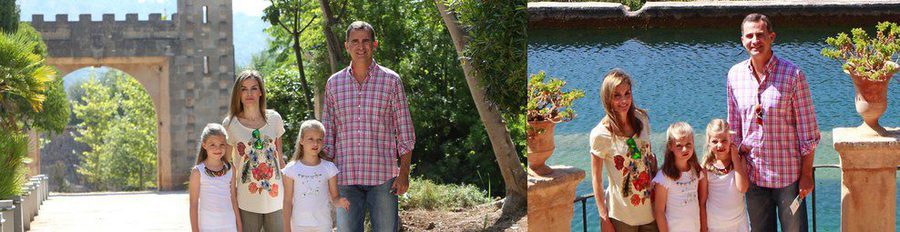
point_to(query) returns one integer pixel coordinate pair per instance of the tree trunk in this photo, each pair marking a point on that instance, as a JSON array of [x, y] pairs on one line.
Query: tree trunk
[[306, 93], [505, 151], [334, 49]]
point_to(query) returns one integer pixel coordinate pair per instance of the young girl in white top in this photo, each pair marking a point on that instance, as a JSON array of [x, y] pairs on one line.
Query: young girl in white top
[[722, 192], [311, 183], [255, 135], [677, 204], [212, 195], [621, 144]]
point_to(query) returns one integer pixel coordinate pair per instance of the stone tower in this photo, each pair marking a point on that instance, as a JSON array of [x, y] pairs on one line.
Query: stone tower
[[185, 63]]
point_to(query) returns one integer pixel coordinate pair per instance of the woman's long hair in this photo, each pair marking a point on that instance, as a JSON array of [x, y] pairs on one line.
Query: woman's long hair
[[613, 79], [236, 105]]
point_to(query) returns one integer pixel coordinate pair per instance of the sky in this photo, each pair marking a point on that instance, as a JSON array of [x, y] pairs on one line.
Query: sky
[[248, 25]]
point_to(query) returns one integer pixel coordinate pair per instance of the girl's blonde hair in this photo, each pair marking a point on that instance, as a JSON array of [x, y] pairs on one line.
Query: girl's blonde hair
[[236, 105], [669, 168], [716, 126], [613, 79], [311, 124], [212, 129]]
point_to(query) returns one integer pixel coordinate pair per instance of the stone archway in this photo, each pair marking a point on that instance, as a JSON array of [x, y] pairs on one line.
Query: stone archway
[[186, 64], [153, 74]]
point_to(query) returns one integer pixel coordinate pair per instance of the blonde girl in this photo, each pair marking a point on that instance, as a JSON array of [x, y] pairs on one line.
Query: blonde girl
[[212, 196], [310, 182], [255, 133], [722, 192], [677, 206], [621, 143]]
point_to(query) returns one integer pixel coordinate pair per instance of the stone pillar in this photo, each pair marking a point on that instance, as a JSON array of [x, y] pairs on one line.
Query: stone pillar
[[18, 214], [550, 199], [868, 183], [6, 215]]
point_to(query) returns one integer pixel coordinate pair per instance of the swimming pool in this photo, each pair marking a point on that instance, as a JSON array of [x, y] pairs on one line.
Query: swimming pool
[[679, 75]]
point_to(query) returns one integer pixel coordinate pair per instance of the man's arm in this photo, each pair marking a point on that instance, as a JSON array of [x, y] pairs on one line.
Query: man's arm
[[734, 115], [807, 131], [406, 137], [328, 121]]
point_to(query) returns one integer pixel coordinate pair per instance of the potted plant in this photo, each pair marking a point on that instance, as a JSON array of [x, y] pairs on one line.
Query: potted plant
[[869, 63], [547, 106]]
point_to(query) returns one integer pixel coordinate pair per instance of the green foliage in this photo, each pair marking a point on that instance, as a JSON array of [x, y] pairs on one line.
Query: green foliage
[[55, 115], [865, 56], [292, 17], [9, 16], [13, 149], [547, 101], [425, 194], [412, 41], [119, 125], [23, 78], [497, 49]]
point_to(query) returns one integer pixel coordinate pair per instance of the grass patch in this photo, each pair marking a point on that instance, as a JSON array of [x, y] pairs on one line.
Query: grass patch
[[425, 194]]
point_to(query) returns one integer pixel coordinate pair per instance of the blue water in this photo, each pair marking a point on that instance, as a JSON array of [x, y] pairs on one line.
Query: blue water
[[679, 75]]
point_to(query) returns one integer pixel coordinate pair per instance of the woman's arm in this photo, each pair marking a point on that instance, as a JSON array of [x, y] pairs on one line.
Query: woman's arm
[[336, 198], [597, 183], [278, 152], [703, 192], [194, 195], [234, 205], [288, 208], [659, 209]]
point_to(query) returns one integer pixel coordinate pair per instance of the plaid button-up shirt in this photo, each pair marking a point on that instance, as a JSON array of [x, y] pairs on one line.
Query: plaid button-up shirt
[[788, 128], [367, 125]]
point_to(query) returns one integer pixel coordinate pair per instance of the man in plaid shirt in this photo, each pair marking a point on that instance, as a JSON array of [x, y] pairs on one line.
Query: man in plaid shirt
[[368, 128], [771, 112]]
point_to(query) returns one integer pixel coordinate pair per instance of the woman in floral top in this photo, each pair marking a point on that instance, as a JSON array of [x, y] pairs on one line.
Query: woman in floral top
[[621, 144], [255, 133]]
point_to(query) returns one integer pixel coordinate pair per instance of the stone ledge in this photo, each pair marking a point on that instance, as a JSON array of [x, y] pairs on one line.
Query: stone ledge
[[867, 152], [707, 13], [561, 174]]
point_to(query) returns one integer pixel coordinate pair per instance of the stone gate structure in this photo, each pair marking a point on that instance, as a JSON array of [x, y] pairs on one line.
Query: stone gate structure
[[186, 64]]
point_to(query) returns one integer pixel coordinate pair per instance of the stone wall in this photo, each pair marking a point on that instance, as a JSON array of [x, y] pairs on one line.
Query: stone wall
[[708, 13], [186, 64]]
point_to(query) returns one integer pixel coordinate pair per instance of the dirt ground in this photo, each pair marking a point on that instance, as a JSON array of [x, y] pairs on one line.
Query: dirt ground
[[484, 217]]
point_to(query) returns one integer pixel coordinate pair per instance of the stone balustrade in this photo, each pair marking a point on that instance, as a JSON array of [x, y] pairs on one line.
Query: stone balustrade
[[17, 213]]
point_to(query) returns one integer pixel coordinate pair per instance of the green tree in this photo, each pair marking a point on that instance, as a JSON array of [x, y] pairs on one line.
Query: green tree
[[412, 41], [119, 125], [9, 16], [288, 16], [13, 148], [493, 60]]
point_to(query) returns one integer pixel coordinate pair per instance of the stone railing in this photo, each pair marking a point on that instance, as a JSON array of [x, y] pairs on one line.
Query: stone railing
[[16, 214]]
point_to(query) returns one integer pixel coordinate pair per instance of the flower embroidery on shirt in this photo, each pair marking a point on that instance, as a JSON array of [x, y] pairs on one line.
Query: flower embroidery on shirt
[[636, 174], [259, 167]]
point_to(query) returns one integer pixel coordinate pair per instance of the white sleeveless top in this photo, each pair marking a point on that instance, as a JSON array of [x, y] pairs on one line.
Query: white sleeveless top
[[682, 201], [725, 207], [214, 206]]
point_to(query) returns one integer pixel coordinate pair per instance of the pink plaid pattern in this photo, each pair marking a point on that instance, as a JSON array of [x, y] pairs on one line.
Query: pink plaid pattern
[[368, 126], [788, 130]]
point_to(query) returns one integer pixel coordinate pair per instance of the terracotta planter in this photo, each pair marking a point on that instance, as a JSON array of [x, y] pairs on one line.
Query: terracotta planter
[[871, 102], [540, 146]]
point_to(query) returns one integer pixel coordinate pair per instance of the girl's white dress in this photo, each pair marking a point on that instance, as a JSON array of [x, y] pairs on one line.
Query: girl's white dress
[[682, 201], [215, 212], [725, 206]]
